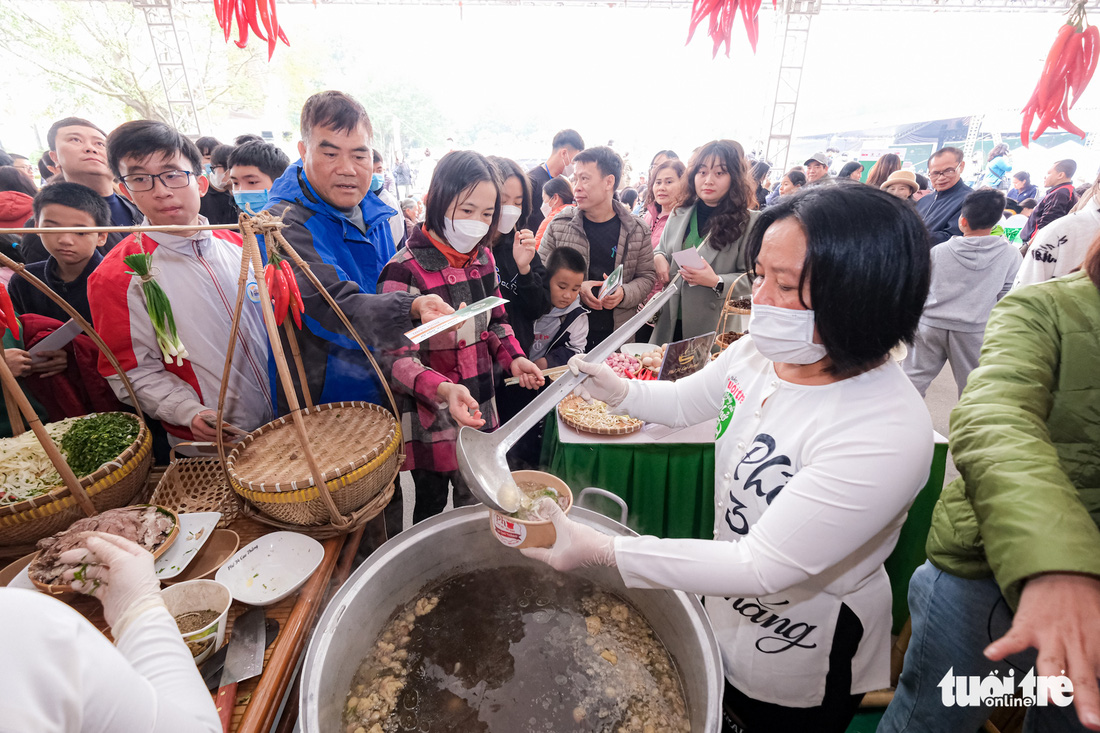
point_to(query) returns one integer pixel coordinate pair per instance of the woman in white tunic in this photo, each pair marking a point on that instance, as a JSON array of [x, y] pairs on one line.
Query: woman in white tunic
[[821, 445]]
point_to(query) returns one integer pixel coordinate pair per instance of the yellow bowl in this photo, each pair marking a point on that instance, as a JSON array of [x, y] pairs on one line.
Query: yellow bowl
[[520, 533]]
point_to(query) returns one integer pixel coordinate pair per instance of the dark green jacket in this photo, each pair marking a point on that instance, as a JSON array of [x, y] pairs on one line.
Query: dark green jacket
[[1026, 439]]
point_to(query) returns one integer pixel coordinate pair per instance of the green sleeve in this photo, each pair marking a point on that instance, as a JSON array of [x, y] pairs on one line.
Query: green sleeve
[[1030, 515]]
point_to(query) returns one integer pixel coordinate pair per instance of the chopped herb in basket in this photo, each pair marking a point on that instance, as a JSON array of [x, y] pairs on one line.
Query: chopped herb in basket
[[98, 439]]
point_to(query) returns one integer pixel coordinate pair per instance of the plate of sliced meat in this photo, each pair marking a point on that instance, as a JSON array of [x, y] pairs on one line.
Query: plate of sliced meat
[[153, 527]]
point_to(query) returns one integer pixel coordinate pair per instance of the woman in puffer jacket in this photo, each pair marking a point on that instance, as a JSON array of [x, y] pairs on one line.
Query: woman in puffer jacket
[[1012, 581]]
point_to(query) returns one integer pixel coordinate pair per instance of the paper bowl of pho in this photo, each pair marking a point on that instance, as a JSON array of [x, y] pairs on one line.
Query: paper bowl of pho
[[200, 608], [528, 526]]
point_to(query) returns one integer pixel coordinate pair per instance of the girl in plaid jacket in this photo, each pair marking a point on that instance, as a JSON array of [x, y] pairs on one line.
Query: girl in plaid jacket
[[446, 382]]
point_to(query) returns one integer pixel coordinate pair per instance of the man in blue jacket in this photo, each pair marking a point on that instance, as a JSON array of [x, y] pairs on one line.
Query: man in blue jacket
[[941, 210], [340, 229]]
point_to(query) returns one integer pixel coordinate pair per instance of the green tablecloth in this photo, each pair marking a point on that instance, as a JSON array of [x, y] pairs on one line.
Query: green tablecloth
[[669, 488]]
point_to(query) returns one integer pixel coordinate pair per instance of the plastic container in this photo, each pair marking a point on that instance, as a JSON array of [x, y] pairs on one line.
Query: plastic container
[[520, 533], [201, 595]]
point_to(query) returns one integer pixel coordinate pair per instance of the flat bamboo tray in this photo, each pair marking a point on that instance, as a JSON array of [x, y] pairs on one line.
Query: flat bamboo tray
[[630, 424]]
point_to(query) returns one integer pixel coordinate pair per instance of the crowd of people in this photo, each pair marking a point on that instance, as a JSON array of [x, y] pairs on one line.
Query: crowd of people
[[822, 439]]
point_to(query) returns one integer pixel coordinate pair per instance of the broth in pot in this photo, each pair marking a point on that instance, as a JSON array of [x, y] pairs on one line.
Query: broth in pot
[[516, 649]]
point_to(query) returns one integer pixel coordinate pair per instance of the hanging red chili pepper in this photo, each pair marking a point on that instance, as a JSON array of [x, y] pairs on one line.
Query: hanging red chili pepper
[[7, 312], [722, 13], [1069, 67], [297, 305], [259, 15]]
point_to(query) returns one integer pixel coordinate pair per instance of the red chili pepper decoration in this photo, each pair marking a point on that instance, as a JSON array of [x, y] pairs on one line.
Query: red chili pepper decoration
[[1070, 64], [7, 312], [259, 15], [297, 305], [722, 13]]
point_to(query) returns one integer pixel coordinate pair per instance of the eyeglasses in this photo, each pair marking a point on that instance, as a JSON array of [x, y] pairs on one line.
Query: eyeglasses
[[139, 182], [946, 172]]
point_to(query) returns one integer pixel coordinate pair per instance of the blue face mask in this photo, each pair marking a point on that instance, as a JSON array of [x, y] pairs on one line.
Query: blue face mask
[[377, 181], [209, 171], [253, 201]]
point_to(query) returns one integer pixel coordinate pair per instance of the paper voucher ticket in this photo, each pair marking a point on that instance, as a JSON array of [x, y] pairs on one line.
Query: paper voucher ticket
[[439, 325], [612, 283]]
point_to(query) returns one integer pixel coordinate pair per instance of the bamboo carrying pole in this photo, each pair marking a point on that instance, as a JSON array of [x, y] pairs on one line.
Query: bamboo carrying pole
[[112, 230], [251, 252], [15, 417], [12, 390]]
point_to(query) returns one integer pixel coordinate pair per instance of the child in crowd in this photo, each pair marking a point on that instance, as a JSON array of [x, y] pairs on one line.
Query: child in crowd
[[447, 381], [969, 275], [563, 331], [161, 172], [72, 256], [217, 203], [253, 169]]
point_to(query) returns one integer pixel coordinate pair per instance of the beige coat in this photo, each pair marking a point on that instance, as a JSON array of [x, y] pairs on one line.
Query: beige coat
[[702, 305], [634, 253]]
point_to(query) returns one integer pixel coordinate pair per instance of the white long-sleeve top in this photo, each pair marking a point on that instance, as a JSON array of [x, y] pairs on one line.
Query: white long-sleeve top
[[61, 675], [1060, 247], [199, 274], [812, 486]]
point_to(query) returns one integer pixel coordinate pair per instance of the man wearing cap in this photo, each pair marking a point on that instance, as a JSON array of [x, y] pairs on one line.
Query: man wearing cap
[[817, 169], [941, 210]]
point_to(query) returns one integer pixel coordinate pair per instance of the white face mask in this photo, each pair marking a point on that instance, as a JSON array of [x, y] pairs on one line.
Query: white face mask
[[464, 234], [785, 336], [546, 209], [568, 172], [509, 215]]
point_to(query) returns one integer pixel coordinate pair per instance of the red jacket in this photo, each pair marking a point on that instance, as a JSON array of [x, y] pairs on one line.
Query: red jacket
[[15, 209]]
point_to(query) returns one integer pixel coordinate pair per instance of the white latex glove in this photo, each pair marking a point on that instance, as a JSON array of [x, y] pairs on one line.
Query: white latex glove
[[577, 545], [602, 383], [119, 573]]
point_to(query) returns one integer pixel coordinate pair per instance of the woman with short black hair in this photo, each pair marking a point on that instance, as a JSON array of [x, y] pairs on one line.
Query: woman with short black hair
[[821, 445]]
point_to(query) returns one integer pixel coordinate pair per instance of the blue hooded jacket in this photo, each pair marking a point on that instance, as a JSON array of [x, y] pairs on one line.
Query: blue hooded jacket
[[347, 262]]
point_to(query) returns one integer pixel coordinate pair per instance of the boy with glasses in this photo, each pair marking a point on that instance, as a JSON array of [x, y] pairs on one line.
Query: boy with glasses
[[161, 171], [940, 211]]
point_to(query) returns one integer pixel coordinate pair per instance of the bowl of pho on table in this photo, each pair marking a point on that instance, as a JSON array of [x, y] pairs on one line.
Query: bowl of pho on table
[[530, 526]]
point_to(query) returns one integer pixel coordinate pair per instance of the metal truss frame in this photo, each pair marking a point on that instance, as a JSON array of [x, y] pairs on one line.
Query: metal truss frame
[[171, 63]]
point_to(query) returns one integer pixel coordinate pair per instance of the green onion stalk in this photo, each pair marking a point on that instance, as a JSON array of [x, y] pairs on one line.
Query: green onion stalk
[[160, 310]]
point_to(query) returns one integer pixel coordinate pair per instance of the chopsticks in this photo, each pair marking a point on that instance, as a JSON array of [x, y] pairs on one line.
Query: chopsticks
[[551, 374]]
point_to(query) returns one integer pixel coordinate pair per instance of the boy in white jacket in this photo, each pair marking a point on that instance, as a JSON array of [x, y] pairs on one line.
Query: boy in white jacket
[[160, 171], [969, 275]]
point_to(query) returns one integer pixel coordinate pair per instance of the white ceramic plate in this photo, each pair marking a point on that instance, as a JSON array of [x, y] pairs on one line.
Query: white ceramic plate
[[636, 350], [271, 568], [195, 530]]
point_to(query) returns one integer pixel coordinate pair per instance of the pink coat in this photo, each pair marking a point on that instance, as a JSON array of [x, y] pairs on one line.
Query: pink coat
[[656, 223]]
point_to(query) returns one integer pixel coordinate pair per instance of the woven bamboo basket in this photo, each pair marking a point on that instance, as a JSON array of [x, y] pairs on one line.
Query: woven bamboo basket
[[733, 319], [353, 450], [197, 484], [114, 484]]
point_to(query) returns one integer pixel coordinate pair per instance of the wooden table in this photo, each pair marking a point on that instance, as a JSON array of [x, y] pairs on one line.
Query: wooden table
[[259, 699]]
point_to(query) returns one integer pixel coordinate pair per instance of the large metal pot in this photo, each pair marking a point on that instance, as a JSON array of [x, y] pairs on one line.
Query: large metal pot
[[449, 544]]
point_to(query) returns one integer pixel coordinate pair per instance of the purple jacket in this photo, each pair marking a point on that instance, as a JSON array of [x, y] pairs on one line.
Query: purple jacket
[[468, 356]]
